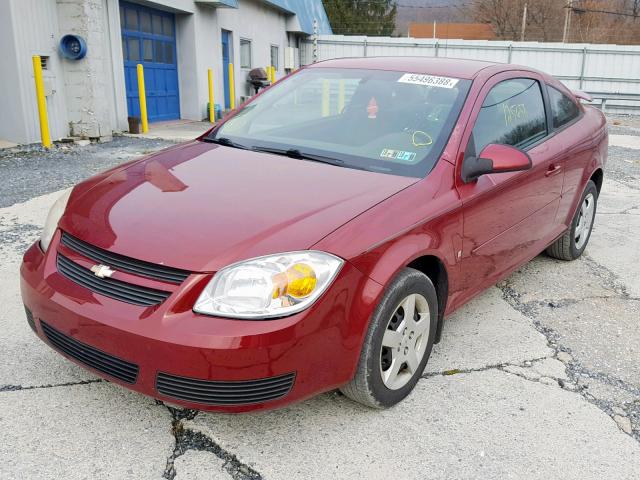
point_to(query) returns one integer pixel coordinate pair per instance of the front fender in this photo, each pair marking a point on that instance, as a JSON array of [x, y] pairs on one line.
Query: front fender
[[424, 219]]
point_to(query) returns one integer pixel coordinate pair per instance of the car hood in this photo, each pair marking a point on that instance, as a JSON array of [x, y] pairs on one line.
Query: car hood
[[202, 206]]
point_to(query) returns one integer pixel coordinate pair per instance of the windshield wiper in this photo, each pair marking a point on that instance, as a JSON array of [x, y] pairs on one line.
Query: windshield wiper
[[295, 153], [227, 142]]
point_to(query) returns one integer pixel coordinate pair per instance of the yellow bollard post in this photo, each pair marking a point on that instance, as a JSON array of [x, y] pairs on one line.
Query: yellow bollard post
[[42, 102], [143, 99], [212, 112], [273, 74], [232, 88], [326, 110], [341, 96]]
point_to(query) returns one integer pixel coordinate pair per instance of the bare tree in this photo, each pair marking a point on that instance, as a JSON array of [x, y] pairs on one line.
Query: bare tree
[[500, 14], [544, 21], [593, 21], [606, 21], [544, 18]]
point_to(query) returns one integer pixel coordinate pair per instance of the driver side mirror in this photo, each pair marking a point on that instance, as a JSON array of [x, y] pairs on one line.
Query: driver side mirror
[[495, 158]]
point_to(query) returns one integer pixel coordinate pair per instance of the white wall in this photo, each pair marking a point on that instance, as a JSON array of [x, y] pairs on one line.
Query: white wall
[[264, 26], [88, 96], [29, 27], [199, 39], [115, 66], [12, 121], [188, 51], [181, 6], [90, 82], [589, 67]]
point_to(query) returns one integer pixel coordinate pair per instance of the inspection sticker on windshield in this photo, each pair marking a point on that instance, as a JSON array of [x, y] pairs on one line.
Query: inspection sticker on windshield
[[428, 80], [398, 155]]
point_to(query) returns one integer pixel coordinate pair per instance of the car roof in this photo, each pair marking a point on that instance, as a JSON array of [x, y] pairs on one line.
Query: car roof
[[454, 67]]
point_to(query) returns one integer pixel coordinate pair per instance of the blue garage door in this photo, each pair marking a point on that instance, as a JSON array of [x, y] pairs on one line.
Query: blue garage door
[[149, 37]]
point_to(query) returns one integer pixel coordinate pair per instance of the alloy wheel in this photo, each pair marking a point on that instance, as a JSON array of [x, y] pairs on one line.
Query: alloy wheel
[[585, 221], [405, 341]]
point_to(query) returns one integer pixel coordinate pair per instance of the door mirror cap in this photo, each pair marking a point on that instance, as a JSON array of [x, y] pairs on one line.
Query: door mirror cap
[[495, 158]]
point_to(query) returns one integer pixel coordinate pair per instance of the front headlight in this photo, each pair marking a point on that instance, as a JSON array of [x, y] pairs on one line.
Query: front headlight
[[271, 286], [50, 225]]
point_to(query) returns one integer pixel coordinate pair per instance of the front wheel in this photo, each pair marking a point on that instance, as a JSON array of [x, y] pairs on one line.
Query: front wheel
[[398, 342], [571, 245]]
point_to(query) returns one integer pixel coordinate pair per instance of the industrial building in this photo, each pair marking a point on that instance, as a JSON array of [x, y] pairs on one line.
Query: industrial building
[[176, 41]]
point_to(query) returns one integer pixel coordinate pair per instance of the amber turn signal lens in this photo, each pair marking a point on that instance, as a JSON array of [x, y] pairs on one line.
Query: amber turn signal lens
[[297, 281], [301, 280]]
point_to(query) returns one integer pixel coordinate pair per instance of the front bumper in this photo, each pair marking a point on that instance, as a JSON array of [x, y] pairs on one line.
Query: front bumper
[[197, 361]]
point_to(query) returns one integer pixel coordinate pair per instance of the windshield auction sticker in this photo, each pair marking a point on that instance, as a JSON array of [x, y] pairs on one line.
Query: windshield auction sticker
[[428, 80]]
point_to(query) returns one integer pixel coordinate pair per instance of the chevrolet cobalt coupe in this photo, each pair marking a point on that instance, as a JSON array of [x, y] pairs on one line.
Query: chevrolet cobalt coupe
[[316, 238]]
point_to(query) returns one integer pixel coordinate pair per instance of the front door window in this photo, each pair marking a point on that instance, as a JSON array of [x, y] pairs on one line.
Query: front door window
[[512, 114]]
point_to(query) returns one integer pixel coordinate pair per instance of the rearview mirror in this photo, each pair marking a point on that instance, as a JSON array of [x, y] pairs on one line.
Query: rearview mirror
[[495, 158]]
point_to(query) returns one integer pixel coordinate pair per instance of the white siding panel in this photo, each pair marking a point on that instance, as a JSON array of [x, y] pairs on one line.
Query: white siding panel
[[456, 50], [567, 63], [589, 67], [36, 33]]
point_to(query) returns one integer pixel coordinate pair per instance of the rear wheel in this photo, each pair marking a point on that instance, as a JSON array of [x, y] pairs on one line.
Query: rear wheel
[[571, 245], [398, 342]]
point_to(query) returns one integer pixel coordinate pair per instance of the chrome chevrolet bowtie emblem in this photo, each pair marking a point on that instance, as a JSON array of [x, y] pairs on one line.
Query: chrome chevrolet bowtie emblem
[[102, 271]]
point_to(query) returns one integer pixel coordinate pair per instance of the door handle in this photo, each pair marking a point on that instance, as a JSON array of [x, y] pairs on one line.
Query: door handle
[[553, 170]]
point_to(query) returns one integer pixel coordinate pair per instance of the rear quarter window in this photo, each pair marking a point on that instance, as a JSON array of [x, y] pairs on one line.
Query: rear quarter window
[[563, 109]]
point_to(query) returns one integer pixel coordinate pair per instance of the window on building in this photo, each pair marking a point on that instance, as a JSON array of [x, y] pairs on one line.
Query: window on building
[[147, 50], [145, 22], [563, 108], [168, 53], [245, 53], [132, 19], [167, 26], [158, 56], [157, 24], [133, 49], [274, 56], [512, 114]]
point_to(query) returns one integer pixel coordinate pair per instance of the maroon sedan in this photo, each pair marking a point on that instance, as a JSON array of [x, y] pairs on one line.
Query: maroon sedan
[[318, 236]]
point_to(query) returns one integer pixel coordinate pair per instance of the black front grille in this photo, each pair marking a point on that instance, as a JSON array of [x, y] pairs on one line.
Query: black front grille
[[30, 319], [92, 357], [124, 264], [224, 393], [109, 287]]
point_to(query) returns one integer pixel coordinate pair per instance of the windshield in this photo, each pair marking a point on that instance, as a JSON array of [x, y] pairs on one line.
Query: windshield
[[391, 122]]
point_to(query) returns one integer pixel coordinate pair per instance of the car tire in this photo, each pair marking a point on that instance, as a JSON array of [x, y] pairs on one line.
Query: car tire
[[405, 351], [571, 245]]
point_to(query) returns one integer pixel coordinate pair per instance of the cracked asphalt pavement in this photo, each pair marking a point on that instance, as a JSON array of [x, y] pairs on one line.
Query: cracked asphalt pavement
[[539, 377]]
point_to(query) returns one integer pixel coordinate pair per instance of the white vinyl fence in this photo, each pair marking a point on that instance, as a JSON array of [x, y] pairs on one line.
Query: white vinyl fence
[[605, 71]]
